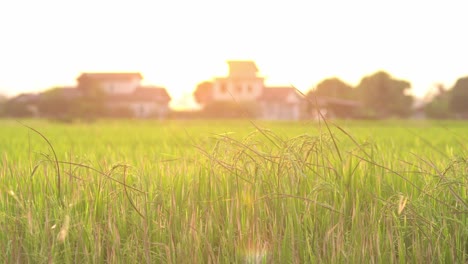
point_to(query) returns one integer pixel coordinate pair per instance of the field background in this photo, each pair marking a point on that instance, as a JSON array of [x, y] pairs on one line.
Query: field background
[[234, 191]]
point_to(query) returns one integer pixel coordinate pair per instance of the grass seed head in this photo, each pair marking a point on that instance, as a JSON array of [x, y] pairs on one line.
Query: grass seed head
[[64, 230], [402, 204]]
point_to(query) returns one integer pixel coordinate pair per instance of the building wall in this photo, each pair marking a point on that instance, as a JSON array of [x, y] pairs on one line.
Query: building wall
[[143, 109], [289, 108], [149, 109], [239, 89], [280, 111], [120, 87]]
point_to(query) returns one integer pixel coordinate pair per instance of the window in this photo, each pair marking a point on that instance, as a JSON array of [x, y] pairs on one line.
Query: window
[[249, 88], [222, 88], [239, 88]]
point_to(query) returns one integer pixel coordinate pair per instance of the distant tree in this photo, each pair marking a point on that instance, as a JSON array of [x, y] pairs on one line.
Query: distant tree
[[437, 105], [335, 96], [53, 104], [203, 92], [18, 109], [3, 100], [459, 97], [332, 87], [87, 105], [384, 96], [92, 103]]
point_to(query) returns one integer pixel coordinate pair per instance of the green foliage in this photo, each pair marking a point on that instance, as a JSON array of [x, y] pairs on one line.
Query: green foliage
[[88, 105], [54, 104], [203, 92], [88, 108], [459, 97], [439, 107], [3, 101], [91, 104], [18, 109], [332, 87], [384, 96]]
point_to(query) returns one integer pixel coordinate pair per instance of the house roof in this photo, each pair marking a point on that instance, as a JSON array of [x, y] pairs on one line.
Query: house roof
[[242, 67], [155, 92], [143, 94], [110, 76], [277, 94]]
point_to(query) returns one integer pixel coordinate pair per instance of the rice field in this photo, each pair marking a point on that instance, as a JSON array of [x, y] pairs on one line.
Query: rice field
[[233, 192]]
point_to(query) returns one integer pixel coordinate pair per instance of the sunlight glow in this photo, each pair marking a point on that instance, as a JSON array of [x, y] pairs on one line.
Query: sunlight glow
[[178, 44]]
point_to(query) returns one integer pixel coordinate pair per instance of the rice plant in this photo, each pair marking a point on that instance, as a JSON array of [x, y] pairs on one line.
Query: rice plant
[[239, 192]]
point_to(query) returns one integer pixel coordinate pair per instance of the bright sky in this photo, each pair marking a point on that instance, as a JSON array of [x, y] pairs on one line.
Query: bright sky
[[177, 44]]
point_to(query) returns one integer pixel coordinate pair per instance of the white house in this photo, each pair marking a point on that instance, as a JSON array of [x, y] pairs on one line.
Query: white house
[[124, 90], [111, 83], [243, 84]]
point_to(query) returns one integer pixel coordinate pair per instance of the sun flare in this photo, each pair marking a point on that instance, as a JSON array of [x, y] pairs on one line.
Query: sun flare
[[180, 44]]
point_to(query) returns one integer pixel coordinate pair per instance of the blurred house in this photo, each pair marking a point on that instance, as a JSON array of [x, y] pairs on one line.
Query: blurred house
[[124, 91], [281, 103], [333, 107], [23, 105], [244, 86], [96, 95]]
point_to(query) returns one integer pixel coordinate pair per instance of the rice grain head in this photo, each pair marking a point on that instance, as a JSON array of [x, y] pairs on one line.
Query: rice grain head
[[64, 230]]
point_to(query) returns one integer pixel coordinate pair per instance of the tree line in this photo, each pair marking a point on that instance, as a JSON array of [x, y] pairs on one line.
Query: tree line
[[55, 104], [380, 95], [383, 96]]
